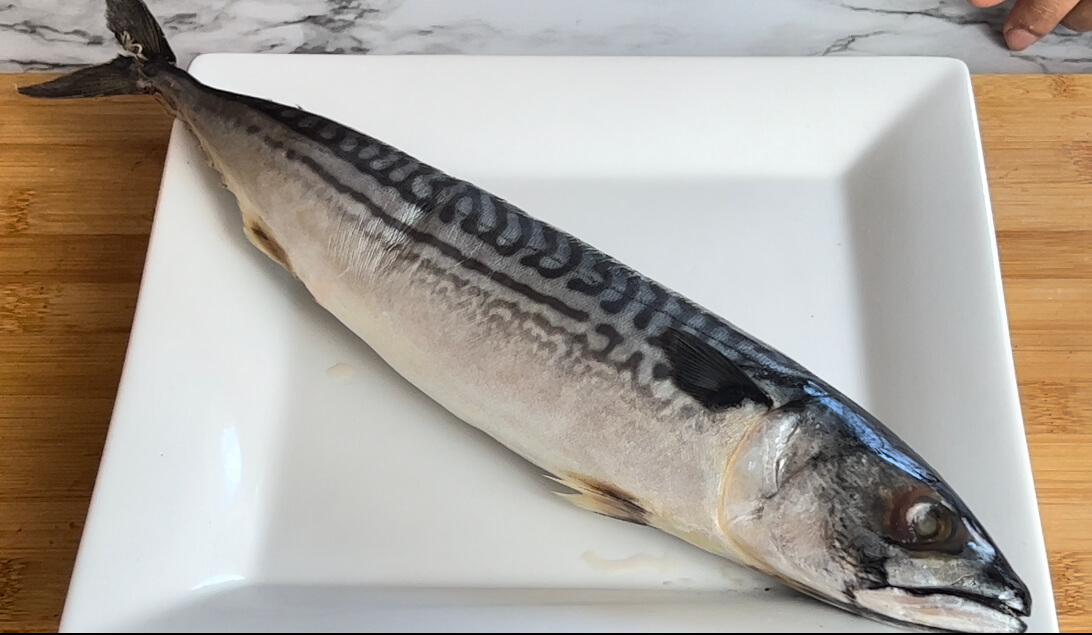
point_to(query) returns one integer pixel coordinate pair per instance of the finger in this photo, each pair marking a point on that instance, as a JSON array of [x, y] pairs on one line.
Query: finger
[[1080, 18], [985, 3], [1030, 20]]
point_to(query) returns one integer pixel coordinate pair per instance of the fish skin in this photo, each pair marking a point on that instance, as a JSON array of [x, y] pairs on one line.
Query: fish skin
[[412, 277], [651, 408]]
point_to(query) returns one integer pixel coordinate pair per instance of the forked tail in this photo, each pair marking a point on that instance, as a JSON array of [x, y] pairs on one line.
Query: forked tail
[[146, 50]]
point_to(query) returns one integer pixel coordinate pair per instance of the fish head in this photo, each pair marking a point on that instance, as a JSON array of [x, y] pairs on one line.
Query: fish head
[[825, 498]]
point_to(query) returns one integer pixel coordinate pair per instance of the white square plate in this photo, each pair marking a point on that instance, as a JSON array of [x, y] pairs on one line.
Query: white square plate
[[265, 470]]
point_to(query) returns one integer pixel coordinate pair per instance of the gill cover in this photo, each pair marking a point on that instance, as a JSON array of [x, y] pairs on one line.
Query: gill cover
[[822, 496]]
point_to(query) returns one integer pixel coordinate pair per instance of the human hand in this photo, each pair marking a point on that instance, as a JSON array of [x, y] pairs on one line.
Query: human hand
[[1030, 20]]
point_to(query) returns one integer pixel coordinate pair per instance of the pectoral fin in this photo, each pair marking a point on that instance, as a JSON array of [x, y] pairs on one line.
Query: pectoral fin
[[706, 374], [601, 498], [261, 239]]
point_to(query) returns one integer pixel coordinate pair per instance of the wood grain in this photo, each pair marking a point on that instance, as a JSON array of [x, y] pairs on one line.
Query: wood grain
[[1037, 134], [78, 185], [78, 182]]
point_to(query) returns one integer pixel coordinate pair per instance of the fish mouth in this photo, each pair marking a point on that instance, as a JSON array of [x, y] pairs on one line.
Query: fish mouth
[[946, 609], [1015, 605]]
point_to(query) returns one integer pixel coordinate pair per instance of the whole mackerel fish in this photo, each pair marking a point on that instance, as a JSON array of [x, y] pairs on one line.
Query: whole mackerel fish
[[648, 407]]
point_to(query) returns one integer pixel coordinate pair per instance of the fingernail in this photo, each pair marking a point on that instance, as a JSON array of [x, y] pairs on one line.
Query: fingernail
[[1020, 39]]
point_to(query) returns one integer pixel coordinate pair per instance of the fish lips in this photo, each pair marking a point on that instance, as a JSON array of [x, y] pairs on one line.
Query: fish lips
[[946, 609]]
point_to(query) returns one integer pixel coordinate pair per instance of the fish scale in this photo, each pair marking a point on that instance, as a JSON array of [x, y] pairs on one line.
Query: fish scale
[[650, 408], [532, 246]]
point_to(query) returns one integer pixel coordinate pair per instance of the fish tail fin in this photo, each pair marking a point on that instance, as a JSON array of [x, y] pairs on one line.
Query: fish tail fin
[[145, 46], [137, 31], [119, 77]]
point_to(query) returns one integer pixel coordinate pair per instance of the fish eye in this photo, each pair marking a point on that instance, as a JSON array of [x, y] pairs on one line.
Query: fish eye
[[928, 520], [921, 522]]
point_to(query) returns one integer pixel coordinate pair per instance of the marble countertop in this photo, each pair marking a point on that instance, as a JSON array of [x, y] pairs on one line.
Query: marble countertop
[[55, 34]]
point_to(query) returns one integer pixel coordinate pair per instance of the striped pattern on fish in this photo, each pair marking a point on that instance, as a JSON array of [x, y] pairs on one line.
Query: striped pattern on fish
[[444, 256], [540, 262]]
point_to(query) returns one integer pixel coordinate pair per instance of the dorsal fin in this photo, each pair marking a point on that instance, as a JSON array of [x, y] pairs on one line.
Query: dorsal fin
[[706, 374]]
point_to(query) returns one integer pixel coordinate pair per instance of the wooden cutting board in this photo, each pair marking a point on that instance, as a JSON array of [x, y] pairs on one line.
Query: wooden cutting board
[[78, 186]]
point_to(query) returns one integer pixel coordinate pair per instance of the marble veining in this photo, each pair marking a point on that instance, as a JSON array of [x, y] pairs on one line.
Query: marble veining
[[56, 34]]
